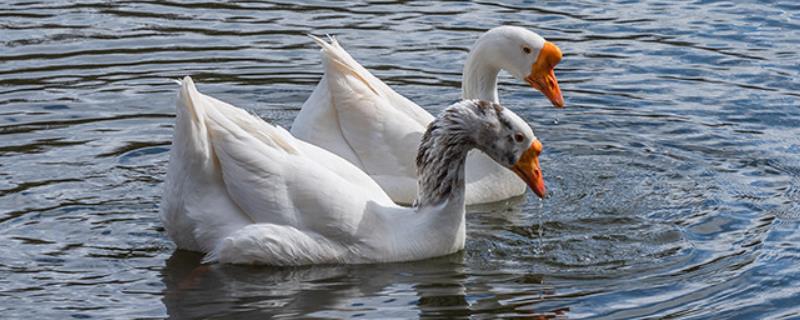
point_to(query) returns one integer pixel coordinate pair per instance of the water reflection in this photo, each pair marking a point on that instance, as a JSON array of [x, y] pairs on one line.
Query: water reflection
[[437, 287], [194, 290]]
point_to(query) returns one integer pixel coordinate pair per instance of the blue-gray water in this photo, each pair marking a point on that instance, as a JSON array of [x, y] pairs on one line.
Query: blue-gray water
[[675, 167]]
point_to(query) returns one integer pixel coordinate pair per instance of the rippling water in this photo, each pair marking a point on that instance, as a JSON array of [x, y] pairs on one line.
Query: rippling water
[[675, 168]]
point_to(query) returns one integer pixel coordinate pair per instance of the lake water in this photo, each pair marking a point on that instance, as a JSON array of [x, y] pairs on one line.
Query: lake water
[[674, 168]]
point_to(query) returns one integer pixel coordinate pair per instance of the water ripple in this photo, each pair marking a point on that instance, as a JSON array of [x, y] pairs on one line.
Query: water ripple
[[673, 169]]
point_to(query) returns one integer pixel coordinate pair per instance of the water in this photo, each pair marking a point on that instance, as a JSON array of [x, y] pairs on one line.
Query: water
[[675, 168]]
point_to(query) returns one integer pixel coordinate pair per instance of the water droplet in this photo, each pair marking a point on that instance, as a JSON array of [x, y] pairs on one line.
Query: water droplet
[[555, 121], [540, 215]]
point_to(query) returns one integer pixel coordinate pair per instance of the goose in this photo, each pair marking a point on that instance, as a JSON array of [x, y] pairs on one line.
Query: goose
[[244, 191], [357, 116]]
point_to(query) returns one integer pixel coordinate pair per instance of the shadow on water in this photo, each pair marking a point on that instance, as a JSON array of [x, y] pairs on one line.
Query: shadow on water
[[436, 287]]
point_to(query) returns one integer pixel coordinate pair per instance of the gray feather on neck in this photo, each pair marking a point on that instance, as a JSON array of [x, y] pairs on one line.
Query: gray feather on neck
[[443, 150]]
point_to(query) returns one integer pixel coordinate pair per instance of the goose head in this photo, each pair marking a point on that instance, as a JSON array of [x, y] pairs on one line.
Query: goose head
[[482, 125], [524, 54], [507, 139]]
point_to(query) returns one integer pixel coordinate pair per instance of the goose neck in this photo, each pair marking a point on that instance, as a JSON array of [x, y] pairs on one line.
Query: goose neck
[[480, 76], [440, 168]]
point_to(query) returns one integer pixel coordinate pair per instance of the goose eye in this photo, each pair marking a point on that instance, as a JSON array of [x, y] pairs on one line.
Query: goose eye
[[518, 137], [526, 50]]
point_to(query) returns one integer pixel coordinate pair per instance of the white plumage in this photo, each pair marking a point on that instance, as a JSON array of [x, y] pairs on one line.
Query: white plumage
[[244, 191], [358, 117]]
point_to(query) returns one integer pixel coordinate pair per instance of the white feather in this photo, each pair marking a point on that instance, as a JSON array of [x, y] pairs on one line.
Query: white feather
[[357, 116], [245, 191]]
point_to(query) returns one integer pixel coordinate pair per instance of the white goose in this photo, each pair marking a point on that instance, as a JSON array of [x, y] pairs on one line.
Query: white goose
[[355, 115], [244, 191]]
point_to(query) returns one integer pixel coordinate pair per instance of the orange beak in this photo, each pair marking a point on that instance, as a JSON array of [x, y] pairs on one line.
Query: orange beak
[[543, 76], [527, 168]]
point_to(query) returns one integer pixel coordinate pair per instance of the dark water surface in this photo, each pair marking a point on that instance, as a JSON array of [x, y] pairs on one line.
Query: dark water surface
[[675, 168]]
